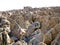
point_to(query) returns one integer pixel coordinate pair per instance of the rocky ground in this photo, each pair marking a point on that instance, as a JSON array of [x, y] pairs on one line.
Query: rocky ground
[[30, 26]]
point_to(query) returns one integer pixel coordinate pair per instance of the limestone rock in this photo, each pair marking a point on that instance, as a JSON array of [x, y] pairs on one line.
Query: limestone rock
[[36, 39], [21, 43], [42, 43], [0, 38], [5, 38], [32, 28], [36, 32], [53, 21], [4, 30], [27, 23], [56, 41], [4, 23], [48, 37], [55, 30]]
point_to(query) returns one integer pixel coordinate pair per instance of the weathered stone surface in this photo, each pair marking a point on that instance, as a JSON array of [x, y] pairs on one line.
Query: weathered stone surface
[[21, 43], [56, 41], [55, 30], [36, 39], [53, 21], [4, 30], [16, 30], [5, 38], [41, 43], [30, 26], [48, 37], [0, 38]]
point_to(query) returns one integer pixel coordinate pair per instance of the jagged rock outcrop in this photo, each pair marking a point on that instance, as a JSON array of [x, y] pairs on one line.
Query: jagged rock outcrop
[[30, 26], [4, 30]]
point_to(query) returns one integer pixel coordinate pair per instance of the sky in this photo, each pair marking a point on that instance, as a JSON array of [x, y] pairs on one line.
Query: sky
[[19, 4]]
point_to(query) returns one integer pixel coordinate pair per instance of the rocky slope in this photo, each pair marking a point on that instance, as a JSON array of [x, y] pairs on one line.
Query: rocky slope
[[30, 26]]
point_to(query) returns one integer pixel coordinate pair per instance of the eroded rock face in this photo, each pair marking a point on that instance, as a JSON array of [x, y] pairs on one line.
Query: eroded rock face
[[41, 43], [4, 30], [37, 39], [21, 43], [56, 41], [33, 27], [30, 26]]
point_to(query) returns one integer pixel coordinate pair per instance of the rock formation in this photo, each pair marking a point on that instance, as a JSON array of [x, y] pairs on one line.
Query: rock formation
[[30, 26]]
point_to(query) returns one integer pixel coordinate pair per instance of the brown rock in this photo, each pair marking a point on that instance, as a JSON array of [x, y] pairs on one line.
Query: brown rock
[[56, 41], [42, 43]]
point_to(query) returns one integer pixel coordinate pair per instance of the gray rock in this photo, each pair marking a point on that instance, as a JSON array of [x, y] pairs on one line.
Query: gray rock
[[32, 27], [36, 39]]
